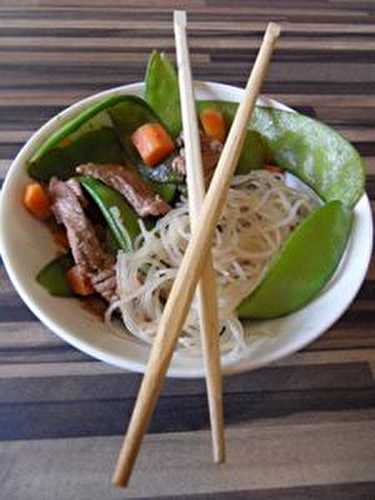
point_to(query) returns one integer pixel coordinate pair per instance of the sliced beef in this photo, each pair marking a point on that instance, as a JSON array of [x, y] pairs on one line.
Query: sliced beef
[[130, 184], [87, 251], [105, 284], [211, 150], [76, 187]]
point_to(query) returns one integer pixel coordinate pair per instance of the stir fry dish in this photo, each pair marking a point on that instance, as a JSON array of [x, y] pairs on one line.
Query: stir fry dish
[[110, 184]]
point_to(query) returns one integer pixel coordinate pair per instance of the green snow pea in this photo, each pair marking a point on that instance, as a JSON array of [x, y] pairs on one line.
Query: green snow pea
[[162, 91], [127, 116], [91, 136], [98, 146], [312, 151], [73, 125], [53, 276], [120, 217], [292, 279]]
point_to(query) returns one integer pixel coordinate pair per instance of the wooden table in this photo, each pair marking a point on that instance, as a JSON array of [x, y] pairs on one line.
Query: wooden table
[[302, 428]]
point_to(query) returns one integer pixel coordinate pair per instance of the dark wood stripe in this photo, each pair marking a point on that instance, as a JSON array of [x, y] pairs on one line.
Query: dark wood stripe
[[110, 417], [125, 386]]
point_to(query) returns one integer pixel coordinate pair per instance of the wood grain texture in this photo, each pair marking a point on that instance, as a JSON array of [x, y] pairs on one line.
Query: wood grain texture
[[302, 428]]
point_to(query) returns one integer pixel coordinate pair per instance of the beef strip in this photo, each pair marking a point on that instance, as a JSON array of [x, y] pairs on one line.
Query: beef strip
[[130, 184], [105, 284], [211, 150], [87, 251], [76, 187]]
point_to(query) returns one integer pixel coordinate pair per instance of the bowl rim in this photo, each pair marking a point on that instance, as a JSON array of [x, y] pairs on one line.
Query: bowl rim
[[242, 365]]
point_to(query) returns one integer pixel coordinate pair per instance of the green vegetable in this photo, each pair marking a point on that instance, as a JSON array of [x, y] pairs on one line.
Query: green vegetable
[[166, 191], [121, 219], [98, 146], [162, 91], [294, 278], [315, 153], [53, 276], [92, 137], [127, 116], [111, 243], [71, 126]]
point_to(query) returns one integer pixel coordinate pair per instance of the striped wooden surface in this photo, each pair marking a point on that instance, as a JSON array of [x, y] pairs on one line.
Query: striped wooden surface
[[303, 428]]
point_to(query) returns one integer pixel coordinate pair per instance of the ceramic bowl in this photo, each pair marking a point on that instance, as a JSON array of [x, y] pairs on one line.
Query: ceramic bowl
[[26, 246]]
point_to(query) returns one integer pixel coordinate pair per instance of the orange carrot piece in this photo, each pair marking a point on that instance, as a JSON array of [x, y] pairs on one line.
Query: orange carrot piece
[[79, 282], [36, 200], [213, 124], [273, 169], [153, 143]]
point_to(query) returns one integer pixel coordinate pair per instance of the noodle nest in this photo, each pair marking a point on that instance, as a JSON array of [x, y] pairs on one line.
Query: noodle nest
[[260, 213]]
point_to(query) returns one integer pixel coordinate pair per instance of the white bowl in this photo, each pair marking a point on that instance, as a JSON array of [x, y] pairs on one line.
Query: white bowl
[[26, 246]]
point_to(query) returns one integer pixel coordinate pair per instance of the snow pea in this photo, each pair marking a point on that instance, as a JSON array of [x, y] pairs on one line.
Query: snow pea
[[120, 217], [163, 93], [53, 276], [294, 280], [73, 125], [98, 146], [312, 151], [127, 116], [91, 136]]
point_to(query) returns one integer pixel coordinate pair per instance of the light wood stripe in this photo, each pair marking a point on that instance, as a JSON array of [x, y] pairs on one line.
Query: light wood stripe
[[343, 455], [73, 58], [113, 63], [358, 134], [122, 24], [322, 44]]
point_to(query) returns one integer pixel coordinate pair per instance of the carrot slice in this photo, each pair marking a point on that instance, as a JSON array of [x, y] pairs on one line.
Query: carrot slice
[[79, 282], [152, 142], [273, 169], [213, 124], [36, 200]]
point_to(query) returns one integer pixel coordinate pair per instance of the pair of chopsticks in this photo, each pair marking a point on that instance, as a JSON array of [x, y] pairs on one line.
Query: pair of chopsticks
[[196, 265]]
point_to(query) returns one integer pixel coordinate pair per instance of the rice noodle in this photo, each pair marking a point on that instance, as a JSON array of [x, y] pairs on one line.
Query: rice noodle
[[260, 213]]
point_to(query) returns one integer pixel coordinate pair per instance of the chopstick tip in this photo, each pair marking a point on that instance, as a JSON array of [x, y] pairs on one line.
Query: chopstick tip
[[179, 17], [119, 480], [274, 29]]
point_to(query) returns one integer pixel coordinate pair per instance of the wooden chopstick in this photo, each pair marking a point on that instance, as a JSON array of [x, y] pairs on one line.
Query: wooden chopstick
[[206, 290], [183, 289]]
